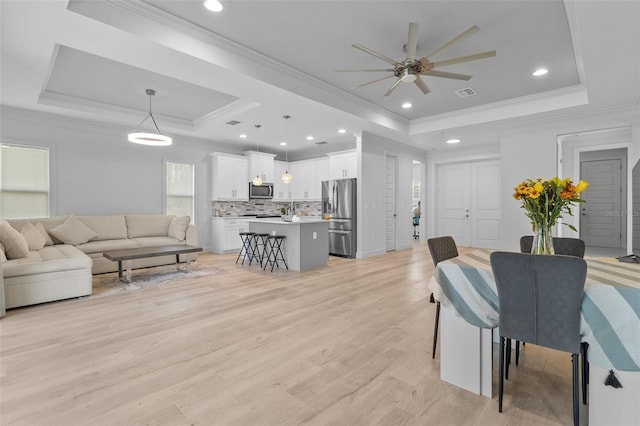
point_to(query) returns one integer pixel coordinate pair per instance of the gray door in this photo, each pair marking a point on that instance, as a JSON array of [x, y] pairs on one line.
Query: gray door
[[601, 215]]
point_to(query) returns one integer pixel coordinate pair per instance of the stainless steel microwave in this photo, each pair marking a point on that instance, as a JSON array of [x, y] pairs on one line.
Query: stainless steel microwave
[[264, 191]]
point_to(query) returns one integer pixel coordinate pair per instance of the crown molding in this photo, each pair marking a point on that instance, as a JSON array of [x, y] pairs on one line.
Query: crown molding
[[141, 18], [512, 108]]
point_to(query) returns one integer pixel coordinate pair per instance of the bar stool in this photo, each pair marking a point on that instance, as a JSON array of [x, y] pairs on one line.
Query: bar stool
[[274, 251], [259, 247], [246, 250]]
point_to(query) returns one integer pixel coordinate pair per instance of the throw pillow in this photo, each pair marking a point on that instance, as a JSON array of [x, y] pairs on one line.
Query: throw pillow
[[178, 227], [47, 238], [35, 240], [73, 232], [3, 257], [15, 245]]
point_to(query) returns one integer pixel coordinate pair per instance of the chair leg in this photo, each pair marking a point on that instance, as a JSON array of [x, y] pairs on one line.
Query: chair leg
[[435, 330], [500, 373], [576, 410], [517, 352], [584, 347], [508, 360]]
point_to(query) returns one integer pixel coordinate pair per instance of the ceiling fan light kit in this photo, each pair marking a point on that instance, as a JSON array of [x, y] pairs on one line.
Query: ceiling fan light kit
[[410, 69], [146, 138]]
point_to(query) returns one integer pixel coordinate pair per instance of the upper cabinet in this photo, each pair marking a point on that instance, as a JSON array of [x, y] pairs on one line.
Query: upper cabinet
[[261, 164], [281, 190], [343, 164], [230, 174]]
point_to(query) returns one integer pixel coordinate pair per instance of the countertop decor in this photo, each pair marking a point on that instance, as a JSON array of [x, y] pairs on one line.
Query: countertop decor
[[544, 203]]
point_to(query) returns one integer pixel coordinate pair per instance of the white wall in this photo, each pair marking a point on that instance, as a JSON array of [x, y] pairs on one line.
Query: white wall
[[372, 153], [96, 171]]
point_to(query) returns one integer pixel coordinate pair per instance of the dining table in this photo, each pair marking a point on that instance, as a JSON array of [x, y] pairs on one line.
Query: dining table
[[610, 325]]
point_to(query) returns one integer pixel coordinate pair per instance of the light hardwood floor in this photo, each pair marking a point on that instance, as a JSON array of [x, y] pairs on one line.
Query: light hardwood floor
[[349, 344]]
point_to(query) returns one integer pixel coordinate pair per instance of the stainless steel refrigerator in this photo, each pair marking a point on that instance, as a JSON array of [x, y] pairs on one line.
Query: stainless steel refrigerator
[[339, 203]]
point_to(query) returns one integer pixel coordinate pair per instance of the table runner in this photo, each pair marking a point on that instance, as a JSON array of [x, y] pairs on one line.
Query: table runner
[[610, 313]]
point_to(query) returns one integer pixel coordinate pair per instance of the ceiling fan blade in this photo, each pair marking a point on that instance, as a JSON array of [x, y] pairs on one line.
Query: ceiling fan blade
[[396, 84], [435, 73], [464, 59], [453, 41], [412, 42], [376, 54], [420, 83], [387, 70], [373, 81]]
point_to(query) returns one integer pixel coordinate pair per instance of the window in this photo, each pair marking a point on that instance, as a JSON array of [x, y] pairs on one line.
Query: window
[[24, 182], [180, 189]]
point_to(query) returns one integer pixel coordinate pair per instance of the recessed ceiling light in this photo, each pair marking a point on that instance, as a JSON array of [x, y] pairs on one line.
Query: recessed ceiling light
[[213, 5], [453, 141], [406, 105], [540, 71], [342, 131], [309, 138], [243, 136], [283, 144]]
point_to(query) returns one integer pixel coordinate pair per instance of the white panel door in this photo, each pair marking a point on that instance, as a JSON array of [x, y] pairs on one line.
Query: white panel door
[[485, 204], [390, 204], [601, 215], [452, 186]]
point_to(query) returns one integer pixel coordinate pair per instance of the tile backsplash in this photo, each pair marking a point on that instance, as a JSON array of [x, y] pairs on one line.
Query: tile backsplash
[[241, 208]]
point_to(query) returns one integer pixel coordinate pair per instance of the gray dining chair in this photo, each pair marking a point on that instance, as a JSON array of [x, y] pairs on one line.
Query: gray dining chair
[[441, 248], [561, 245], [539, 302]]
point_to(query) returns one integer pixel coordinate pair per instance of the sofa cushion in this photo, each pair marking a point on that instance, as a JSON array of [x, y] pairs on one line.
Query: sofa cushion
[[35, 240], [148, 225], [73, 231], [157, 241], [3, 257], [47, 223], [55, 258], [15, 245], [178, 227], [47, 238], [107, 245], [107, 227]]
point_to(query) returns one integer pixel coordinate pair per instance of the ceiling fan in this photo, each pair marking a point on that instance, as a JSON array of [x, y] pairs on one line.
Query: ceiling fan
[[410, 69]]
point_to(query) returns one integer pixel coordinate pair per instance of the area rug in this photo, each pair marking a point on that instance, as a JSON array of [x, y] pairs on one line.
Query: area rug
[[108, 284]]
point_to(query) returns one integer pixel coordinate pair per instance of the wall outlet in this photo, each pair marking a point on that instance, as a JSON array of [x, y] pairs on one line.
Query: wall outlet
[[315, 235]]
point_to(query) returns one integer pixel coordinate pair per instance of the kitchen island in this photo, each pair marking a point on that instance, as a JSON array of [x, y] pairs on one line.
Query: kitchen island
[[307, 244]]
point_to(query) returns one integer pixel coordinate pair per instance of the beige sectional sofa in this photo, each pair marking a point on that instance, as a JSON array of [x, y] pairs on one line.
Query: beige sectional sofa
[[72, 251]]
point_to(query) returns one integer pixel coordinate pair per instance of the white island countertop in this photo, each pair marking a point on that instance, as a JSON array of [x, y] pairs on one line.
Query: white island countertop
[[306, 245]]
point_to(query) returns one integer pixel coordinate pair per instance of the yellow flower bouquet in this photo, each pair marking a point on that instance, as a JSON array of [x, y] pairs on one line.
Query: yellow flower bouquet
[[544, 203]]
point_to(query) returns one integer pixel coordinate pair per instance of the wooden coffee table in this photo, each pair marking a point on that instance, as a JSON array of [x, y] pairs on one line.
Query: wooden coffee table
[[138, 253]]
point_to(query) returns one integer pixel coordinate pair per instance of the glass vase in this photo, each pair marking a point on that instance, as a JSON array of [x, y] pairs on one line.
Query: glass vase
[[542, 240]]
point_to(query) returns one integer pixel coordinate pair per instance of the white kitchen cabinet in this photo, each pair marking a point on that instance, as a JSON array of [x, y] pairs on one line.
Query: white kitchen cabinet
[[343, 164], [322, 173], [295, 183], [261, 164], [225, 234], [307, 180], [281, 190], [230, 174]]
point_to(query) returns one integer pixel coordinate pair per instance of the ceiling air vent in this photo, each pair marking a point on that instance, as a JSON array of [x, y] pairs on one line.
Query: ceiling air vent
[[466, 92], [321, 143], [232, 122]]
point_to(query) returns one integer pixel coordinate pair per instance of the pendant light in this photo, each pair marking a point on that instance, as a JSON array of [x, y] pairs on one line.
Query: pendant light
[[257, 181], [286, 177], [144, 138]]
